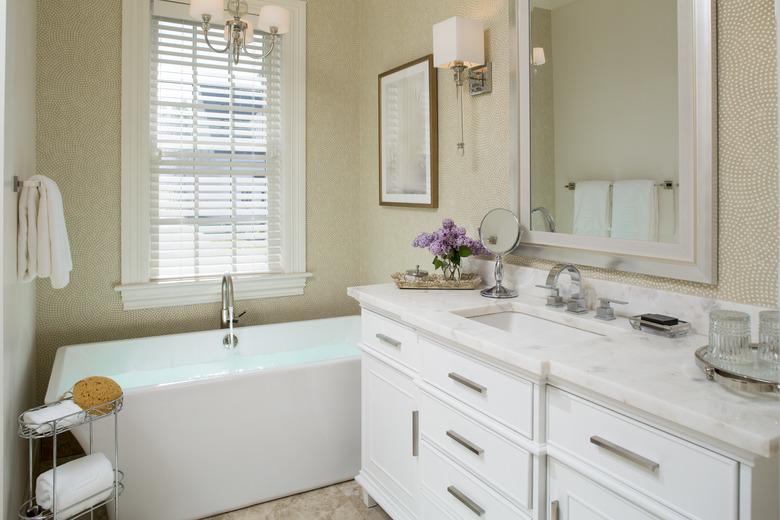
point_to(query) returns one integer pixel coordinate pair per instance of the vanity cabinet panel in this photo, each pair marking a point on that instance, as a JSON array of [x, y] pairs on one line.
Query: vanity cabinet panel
[[458, 492], [391, 338], [505, 466], [685, 477], [572, 496], [390, 431], [503, 397]]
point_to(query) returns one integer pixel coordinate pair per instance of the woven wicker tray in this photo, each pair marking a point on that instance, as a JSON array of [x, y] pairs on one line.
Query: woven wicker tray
[[437, 281]]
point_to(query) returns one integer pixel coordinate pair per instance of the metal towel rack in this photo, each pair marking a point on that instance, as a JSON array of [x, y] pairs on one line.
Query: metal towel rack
[[667, 185], [19, 183]]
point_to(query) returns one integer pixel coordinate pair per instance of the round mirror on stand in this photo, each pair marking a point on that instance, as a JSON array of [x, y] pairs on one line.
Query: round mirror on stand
[[500, 233]]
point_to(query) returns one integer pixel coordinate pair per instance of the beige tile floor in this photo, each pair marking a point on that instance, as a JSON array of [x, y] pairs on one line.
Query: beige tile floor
[[339, 502]]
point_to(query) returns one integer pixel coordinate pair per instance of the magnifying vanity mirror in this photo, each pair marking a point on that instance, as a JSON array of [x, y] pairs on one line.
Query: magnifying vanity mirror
[[615, 134], [500, 233]]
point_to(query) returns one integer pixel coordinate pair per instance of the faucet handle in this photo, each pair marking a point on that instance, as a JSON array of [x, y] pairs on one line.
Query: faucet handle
[[554, 298], [605, 311]]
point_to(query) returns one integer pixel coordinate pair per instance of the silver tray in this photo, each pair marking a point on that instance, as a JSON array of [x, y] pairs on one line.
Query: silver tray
[[759, 377]]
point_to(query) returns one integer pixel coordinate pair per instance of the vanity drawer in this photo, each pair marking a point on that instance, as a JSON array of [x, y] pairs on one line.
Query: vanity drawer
[[692, 480], [463, 496], [390, 338], [497, 394], [495, 459]]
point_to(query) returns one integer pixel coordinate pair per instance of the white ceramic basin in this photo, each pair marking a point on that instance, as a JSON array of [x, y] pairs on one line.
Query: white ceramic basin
[[535, 329], [540, 325]]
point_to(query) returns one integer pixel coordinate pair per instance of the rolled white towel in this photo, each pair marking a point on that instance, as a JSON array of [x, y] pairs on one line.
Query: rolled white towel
[[81, 484], [44, 416]]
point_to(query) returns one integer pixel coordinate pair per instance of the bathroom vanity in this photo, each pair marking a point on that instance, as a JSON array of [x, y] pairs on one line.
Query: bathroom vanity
[[512, 410]]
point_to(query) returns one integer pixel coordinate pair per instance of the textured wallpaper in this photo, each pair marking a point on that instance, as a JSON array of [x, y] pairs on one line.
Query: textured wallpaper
[[350, 238], [78, 90], [469, 186]]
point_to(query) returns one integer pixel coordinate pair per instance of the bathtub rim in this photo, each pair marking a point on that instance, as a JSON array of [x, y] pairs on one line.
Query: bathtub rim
[[61, 353]]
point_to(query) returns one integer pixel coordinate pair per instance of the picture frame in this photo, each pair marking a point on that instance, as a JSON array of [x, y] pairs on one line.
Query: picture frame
[[409, 136]]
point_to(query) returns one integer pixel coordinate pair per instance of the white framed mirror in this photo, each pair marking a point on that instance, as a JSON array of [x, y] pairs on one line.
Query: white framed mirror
[[614, 145]]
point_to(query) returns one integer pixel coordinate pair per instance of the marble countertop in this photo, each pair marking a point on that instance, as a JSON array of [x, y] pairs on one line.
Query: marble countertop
[[654, 375]]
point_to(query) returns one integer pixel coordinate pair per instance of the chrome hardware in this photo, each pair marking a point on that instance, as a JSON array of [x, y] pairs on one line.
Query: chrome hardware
[[576, 303], [466, 501], [390, 341], [604, 311], [228, 318], [624, 453], [549, 221], [554, 298], [667, 185], [730, 377], [468, 383], [465, 443], [415, 433], [555, 510], [18, 184]]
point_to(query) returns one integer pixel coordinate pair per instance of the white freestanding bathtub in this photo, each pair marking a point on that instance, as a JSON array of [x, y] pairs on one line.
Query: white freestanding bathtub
[[206, 430]]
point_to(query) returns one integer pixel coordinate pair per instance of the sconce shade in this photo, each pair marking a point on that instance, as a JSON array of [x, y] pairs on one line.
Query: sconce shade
[[537, 57], [274, 16], [250, 30], [458, 40], [211, 7]]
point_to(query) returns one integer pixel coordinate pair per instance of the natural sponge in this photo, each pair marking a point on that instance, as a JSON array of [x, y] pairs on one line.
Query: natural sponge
[[91, 392]]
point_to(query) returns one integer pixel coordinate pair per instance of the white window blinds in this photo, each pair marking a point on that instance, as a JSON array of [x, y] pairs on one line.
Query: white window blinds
[[215, 193]]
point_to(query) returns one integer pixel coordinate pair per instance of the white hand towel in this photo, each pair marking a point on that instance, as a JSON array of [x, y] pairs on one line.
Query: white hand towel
[[27, 239], [591, 208], [43, 248], [81, 484], [635, 210], [44, 416]]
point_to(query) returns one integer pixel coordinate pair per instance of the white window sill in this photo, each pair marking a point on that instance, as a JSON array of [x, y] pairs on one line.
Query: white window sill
[[152, 295]]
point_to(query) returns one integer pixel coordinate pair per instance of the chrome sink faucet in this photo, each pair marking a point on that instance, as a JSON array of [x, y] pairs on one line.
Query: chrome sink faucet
[[576, 302], [228, 312]]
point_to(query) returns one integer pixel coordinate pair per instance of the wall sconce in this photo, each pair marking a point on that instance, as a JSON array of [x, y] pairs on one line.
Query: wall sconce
[[459, 45]]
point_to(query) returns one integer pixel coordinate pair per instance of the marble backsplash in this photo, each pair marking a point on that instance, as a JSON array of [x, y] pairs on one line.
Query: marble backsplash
[[641, 300]]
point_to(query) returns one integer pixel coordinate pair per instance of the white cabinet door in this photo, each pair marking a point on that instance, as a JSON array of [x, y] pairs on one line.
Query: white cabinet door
[[390, 432], [572, 496]]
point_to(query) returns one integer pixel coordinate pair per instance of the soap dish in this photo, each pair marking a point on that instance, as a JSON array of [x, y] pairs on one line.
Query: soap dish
[[670, 331]]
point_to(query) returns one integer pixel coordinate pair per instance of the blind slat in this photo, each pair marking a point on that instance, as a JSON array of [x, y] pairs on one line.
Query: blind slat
[[215, 194]]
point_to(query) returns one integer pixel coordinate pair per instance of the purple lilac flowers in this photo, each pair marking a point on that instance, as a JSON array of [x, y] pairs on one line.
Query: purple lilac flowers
[[449, 244]]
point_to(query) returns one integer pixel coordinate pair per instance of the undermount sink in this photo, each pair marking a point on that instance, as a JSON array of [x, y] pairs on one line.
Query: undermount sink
[[541, 326]]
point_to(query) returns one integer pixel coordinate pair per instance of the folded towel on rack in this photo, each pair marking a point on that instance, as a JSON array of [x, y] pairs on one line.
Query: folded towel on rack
[[591, 209], [43, 249], [635, 210], [81, 484], [66, 413]]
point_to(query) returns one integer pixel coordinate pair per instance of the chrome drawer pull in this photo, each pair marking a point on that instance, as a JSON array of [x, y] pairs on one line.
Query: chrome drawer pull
[[415, 433], [468, 383], [466, 501], [390, 341], [555, 510], [626, 454], [465, 443]]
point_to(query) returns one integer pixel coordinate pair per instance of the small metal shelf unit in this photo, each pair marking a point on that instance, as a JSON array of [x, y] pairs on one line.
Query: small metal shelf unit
[[30, 510]]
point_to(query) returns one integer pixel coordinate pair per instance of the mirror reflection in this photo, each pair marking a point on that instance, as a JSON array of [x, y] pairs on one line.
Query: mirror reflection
[[604, 118]]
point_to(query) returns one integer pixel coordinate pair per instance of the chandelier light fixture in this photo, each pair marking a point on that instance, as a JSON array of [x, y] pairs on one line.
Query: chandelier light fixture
[[240, 25]]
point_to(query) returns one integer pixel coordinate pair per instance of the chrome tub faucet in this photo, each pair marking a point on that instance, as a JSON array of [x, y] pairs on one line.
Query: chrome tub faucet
[[228, 317]]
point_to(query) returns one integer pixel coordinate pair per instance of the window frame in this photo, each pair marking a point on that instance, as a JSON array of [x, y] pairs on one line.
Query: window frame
[[137, 290]]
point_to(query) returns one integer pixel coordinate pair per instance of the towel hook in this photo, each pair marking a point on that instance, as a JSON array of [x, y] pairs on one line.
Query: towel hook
[[19, 183]]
